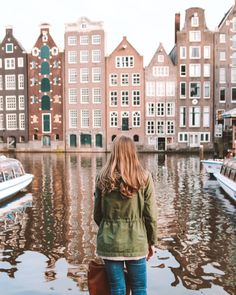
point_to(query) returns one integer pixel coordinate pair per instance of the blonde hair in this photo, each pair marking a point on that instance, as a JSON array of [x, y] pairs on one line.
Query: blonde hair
[[122, 170]]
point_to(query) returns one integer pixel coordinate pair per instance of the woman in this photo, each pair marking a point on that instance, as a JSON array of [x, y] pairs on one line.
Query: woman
[[125, 211]]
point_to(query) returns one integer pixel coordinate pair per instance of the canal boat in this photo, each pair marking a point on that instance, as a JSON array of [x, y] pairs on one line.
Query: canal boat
[[212, 165], [227, 177], [13, 178]]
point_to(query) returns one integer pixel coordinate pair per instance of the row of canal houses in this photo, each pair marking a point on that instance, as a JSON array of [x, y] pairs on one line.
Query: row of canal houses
[[80, 99]]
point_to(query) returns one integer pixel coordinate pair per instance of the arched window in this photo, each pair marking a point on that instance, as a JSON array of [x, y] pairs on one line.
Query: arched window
[[45, 85], [136, 138], [45, 68], [113, 137], [44, 52], [45, 103]]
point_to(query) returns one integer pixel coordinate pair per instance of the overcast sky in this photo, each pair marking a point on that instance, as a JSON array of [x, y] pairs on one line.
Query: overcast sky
[[146, 23]]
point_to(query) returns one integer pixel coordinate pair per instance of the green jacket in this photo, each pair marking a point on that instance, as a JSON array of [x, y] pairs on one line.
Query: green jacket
[[126, 225]]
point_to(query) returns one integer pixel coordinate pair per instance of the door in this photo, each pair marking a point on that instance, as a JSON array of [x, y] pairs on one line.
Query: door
[[194, 140]]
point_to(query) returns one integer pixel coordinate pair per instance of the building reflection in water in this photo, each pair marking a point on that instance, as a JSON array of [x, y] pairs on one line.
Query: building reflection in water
[[196, 226]]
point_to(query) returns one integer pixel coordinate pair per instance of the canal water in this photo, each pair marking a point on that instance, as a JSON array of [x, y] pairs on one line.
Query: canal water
[[47, 235]]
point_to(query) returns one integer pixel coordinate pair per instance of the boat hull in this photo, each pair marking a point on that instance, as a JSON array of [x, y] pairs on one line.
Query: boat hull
[[212, 166], [11, 187], [228, 185]]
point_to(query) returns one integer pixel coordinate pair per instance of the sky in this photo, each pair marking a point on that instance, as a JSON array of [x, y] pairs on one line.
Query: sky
[[145, 23]]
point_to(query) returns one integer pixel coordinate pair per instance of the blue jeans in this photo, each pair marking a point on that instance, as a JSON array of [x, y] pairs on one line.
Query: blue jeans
[[137, 276]]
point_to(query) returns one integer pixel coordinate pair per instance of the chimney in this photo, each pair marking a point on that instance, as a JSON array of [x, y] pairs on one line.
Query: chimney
[[177, 25]]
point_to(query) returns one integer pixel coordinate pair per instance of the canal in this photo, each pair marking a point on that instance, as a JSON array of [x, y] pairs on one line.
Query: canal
[[47, 239]]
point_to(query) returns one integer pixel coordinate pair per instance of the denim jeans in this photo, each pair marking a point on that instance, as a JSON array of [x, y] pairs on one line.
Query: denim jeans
[[137, 276]]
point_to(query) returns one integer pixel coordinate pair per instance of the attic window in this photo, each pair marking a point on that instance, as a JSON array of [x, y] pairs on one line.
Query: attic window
[[160, 58], [83, 26], [9, 47], [195, 20]]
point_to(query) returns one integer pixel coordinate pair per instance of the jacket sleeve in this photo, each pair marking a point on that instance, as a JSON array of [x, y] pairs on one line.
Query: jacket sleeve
[[150, 211], [97, 212]]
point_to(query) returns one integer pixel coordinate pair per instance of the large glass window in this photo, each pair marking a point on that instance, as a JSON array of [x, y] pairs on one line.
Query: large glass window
[[194, 90], [45, 68], [45, 85], [45, 103], [45, 52]]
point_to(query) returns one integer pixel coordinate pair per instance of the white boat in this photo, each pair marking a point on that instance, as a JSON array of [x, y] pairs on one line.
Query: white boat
[[212, 165], [12, 177], [227, 177]]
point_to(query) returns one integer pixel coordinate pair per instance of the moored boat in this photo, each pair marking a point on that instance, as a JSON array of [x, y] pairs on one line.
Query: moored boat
[[227, 177], [12, 177], [212, 165]]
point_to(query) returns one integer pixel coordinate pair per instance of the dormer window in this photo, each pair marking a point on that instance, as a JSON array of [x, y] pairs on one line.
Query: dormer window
[[9, 47], [83, 26], [195, 20]]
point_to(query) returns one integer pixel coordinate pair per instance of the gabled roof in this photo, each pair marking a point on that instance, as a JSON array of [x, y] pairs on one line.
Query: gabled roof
[[225, 17], [123, 45]]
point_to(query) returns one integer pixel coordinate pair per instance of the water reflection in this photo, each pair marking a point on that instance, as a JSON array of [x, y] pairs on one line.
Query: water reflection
[[196, 251]]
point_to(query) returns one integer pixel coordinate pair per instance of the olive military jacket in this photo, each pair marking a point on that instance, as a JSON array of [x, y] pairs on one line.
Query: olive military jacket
[[127, 226]]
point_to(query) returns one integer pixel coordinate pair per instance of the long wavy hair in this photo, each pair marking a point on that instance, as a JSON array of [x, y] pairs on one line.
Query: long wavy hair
[[123, 170]]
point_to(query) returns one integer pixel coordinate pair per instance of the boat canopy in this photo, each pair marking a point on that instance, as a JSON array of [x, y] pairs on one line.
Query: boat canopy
[[10, 168], [229, 114]]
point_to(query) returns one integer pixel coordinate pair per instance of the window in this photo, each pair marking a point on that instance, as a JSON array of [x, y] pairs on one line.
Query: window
[[170, 109], [150, 89], [45, 85], [72, 95], [136, 79], [233, 94], [124, 62], [160, 71], [233, 75], [136, 98], [160, 109], [96, 72], [160, 127], [206, 89], [160, 89], [73, 118], [182, 89], [233, 59], [234, 41], [22, 121], [160, 58], [234, 24], [206, 116], [45, 52], [84, 95], [136, 119], [72, 40], [183, 137], [170, 88], [10, 82], [84, 118], [1, 84], [113, 98], [84, 75], [182, 118], [207, 52], [125, 121], [113, 119], [11, 103], [183, 52], [207, 70], [45, 103], [21, 101], [11, 121], [194, 90], [9, 63], [124, 79], [1, 126], [222, 75], [195, 52], [9, 47], [170, 127], [1, 103], [124, 98], [113, 79], [150, 109], [96, 55], [97, 118], [194, 70], [222, 94], [45, 68], [182, 70], [194, 36], [222, 56], [84, 56], [72, 57], [96, 39], [222, 38], [72, 76], [195, 20], [194, 117], [20, 62], [150, 127], [20, 81], [205, 137], [84, 40], [97, 96]]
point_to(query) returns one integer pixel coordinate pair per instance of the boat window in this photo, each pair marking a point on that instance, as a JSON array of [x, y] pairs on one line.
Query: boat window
[[1, 177], [18, 171], [232, 174], [9, 174]]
